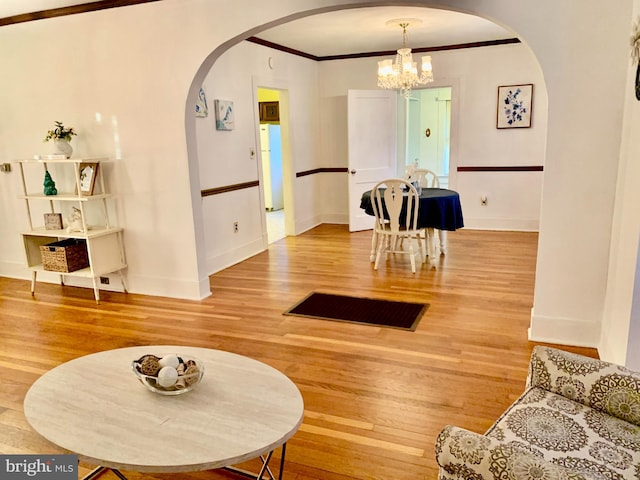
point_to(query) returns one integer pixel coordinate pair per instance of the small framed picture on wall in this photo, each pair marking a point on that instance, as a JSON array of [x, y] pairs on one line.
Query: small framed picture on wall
[[224, 114], [514, 106]]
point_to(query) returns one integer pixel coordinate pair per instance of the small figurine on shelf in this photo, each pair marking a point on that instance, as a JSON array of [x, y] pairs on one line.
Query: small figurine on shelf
[[74, 221], [49, 184]]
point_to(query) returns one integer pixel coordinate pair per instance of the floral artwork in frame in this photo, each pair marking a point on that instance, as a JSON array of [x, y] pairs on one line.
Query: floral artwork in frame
[[514, 106], [224, 114]]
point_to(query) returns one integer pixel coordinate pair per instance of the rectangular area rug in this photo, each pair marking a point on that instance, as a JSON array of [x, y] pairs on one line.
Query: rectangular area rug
[[367, 311]]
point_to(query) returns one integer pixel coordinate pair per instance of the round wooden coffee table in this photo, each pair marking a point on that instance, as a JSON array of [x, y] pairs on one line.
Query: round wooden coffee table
[[96, 407]]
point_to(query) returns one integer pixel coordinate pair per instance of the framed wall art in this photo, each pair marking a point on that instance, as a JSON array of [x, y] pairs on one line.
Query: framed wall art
[[269, 111], [514, 106], [202, 110], [224, 114]]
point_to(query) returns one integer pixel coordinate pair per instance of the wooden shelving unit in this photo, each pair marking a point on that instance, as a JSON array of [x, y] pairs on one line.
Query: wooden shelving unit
[[104, 241]]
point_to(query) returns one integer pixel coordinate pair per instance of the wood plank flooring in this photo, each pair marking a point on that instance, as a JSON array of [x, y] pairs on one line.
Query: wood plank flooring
[[375, 398]]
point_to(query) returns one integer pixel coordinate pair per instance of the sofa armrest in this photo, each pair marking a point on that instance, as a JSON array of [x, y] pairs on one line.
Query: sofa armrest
[[466, 455], [603, 386]]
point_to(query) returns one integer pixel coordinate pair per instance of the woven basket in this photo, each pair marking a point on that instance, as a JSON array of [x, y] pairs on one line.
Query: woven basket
[[65, 256]]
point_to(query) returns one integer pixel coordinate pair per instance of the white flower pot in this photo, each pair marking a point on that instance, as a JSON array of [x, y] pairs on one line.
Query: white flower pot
[[62, 147]]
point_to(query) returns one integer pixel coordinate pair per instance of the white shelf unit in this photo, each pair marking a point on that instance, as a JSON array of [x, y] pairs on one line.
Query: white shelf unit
[[105, 246]]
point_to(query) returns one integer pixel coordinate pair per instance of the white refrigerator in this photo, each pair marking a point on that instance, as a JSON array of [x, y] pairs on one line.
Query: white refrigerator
[[271, 149]]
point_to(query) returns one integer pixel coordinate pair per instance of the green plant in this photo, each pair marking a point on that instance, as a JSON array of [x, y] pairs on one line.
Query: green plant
[[60, 133]]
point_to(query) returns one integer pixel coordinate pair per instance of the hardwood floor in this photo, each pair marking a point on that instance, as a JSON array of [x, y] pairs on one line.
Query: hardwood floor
[[375, 398]]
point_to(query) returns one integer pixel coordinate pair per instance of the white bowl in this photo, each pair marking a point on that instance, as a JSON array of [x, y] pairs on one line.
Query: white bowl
[[184, 378]]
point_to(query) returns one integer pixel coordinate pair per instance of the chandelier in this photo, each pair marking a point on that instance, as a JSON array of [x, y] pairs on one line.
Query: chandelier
[[402, 74]]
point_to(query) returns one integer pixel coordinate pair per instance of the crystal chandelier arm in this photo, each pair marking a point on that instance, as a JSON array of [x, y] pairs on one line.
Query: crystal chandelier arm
[[402, 74]]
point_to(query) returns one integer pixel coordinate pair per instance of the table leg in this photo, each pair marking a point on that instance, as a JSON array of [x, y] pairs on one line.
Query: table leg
[[265, 467], [96, 472], [443, 241], [34, 274]]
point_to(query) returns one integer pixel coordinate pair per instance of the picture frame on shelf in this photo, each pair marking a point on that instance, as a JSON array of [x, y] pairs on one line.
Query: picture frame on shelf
[[515, 103], [88, 173], [53, 221]]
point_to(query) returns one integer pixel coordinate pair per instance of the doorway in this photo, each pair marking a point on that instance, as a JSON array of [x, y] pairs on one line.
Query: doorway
[[428, 133], [271, 163]]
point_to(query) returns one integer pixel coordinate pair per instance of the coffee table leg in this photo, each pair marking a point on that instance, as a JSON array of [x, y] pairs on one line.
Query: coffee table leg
[[100, 470], [265, 467]]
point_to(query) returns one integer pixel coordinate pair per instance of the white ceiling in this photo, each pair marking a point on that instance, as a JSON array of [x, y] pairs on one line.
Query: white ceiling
[[343, 32], [361, 30]]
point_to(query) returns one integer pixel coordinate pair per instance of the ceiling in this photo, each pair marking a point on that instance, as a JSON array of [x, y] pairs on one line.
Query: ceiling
[[344, 32], [361, 30]]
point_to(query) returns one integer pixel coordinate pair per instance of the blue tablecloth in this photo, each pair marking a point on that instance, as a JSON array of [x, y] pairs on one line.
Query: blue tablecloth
[[439, 208]]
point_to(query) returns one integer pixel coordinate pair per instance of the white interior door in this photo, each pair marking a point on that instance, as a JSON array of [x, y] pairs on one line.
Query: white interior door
[[372, 136]]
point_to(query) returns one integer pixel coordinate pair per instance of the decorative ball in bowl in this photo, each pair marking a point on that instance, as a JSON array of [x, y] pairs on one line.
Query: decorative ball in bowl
[[171, 374]]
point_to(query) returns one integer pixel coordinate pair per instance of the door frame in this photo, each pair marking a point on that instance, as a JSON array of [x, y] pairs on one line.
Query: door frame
[[454, 135], [288, 195]]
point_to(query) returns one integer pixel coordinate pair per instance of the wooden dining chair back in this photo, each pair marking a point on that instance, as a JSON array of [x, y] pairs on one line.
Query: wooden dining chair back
[[395, 205], [426, 178]]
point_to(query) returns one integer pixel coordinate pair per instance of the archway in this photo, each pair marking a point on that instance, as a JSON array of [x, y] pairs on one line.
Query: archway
[[204, 71]]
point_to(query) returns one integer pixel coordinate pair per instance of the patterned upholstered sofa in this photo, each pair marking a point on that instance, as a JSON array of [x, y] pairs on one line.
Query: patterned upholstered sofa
[[577, 419]]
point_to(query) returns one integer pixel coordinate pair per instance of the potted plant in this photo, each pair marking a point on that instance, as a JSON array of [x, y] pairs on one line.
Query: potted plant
[[61, 137]]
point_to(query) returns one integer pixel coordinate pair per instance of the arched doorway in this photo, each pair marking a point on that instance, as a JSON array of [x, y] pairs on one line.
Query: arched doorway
[[325, 151]]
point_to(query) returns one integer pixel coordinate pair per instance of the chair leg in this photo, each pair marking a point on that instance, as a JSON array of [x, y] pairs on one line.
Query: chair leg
[[413, 257], [381, 246], [422, 247], [374, 246]]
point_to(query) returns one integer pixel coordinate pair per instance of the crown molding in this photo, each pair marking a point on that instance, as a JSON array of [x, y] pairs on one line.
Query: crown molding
[[71, 10], [282, 48]]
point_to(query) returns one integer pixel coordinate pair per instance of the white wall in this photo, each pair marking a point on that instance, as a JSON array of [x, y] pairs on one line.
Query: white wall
[[575, 224], [475, 74], [224, 155], [621, 320]]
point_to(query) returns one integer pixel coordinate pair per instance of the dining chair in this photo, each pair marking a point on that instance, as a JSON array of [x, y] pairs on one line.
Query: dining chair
[[399, 200], [428, 179]]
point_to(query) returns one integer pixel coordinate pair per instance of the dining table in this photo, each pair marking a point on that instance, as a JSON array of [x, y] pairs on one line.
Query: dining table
[[439, 209]]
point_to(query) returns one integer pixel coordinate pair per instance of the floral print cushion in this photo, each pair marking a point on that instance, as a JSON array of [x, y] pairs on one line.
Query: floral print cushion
[[606, 387], [572, 435], [465, 455]]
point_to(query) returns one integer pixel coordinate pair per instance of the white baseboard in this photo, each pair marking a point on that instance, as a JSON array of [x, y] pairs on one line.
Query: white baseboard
[[236, 255], [336, 218], [144, 285], [508, 224], [564, 331]]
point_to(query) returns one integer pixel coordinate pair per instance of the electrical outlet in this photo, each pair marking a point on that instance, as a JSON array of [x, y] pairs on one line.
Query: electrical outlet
[[483, 200], [235, 227], [5, 167], [252, 153], [104, 280]]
